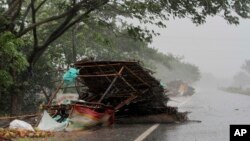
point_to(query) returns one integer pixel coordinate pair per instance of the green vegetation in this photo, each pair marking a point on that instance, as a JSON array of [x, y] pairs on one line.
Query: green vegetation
[[238, 90], [13, 62], [38, 37], [241, 83]]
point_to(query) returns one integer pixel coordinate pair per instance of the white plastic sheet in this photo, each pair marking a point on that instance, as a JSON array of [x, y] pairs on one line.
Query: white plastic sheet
[[47, 123]]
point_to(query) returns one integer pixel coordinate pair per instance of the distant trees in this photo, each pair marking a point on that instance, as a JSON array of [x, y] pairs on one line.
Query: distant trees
[[242, 78], [246, 66], [177, 69], [241, 81]]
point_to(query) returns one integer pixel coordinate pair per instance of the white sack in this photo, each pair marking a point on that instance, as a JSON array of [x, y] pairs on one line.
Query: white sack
[[19, 124]]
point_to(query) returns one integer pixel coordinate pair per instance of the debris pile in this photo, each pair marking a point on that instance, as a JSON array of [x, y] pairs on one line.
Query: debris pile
[[108, 88], [126, 86], [179, 88], [103, 90], [22, 133]]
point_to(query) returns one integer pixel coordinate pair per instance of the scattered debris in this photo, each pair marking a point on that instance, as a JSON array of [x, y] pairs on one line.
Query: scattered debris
[[179, 88], [108, 88], [6, 133], [103, 90], [19, 124], [31, 119], [84, 117], [123, 85], [47, 123]]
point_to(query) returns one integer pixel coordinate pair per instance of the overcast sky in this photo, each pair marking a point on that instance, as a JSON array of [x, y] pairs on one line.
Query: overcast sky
[[216, 47]]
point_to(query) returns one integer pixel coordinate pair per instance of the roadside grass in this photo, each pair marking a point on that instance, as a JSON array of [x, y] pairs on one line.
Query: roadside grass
[[237, 90]]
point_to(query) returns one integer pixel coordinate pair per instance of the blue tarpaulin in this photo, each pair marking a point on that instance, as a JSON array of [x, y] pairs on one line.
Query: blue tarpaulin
[[70, 76]]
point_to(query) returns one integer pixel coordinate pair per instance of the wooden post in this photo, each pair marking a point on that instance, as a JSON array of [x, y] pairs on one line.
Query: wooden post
[[110, 86], [55, 93]]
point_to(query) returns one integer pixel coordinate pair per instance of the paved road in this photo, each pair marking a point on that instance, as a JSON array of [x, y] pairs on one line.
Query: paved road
[[216, 109], [117, 133]]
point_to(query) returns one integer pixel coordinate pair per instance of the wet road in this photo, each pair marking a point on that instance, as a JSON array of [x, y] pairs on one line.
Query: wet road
[[216, 109]]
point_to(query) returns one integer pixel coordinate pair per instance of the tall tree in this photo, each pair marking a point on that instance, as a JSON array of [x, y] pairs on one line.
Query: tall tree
[[241, 79], [24, 16], [40, 22], [246, 66]]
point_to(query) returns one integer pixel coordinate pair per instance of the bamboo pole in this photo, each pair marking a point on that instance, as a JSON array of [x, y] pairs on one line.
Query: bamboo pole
[[51, 99], [127, 101], [136, 76], [110, 86], [98, 75], [15, 117], [96, 65], [55, 93]]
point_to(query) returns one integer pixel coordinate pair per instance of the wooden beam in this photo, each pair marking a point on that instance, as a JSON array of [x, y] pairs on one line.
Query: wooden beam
[[125, 102], [55, 93], [137, 76], [98, 75], [110, 86], [96, 65]]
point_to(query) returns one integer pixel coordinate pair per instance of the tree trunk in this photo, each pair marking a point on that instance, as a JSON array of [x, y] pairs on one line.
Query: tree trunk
[[74, 43], [16, 96], [16, 104]]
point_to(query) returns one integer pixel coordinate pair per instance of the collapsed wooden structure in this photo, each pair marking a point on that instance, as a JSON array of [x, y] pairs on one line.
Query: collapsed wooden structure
[[108, 88], [121, 84]]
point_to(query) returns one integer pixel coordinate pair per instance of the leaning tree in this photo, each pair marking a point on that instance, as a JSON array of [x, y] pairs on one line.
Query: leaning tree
[[40, 22]]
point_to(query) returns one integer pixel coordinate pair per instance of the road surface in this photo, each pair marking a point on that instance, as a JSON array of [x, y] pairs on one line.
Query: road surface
[[216, 109]]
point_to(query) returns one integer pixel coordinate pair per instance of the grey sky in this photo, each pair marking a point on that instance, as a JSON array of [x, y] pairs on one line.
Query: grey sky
[[216, 47]]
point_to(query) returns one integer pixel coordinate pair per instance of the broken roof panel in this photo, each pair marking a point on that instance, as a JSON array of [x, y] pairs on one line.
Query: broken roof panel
[[118, 82]]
